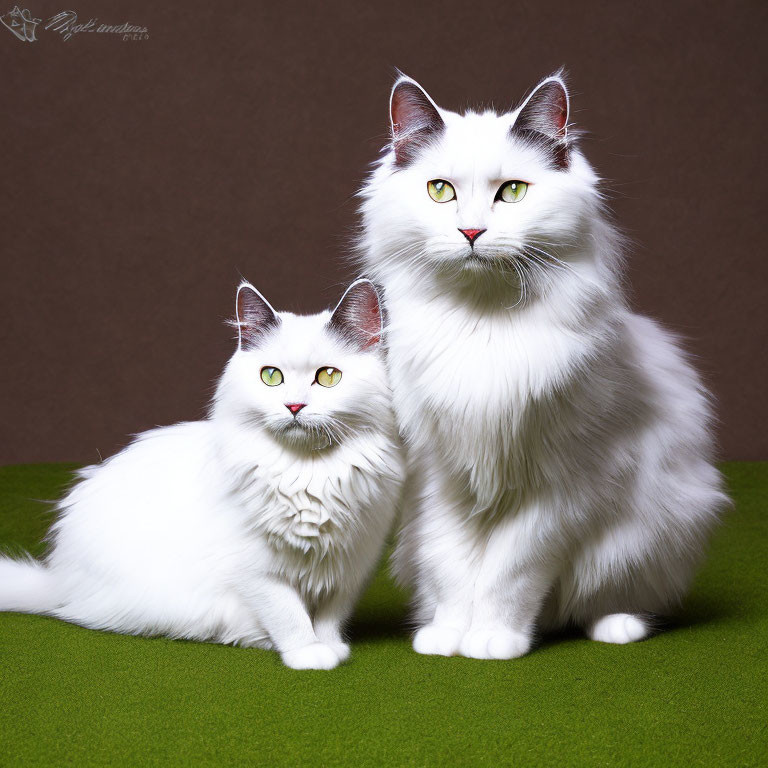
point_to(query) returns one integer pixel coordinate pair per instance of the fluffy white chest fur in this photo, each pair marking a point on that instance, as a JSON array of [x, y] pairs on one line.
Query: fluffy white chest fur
[[559, 445], [325, 514], [484, 375]]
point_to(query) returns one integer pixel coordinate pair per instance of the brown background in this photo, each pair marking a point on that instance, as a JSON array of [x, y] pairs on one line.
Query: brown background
[[141, 179]]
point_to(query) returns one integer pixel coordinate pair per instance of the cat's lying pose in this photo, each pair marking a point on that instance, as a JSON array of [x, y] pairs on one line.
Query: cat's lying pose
[[257, 526], [559, 444]]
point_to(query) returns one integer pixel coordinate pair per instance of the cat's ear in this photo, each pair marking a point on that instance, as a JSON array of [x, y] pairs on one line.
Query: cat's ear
[[543, 117], [255, 316], [415, 119], [358, 316]]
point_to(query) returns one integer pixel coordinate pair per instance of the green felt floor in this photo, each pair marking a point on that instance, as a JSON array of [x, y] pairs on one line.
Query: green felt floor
[[694, 695]]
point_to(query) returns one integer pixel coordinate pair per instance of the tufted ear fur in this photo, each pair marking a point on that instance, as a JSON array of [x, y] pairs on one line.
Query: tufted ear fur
[[357, 317], [255, 316], [415, 119], [543, 118]]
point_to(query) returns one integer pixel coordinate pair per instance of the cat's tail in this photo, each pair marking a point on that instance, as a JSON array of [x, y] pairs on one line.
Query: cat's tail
[[27, 586]]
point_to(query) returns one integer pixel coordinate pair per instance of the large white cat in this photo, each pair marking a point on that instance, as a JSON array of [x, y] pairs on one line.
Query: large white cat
[[257, 526], [559, 445]]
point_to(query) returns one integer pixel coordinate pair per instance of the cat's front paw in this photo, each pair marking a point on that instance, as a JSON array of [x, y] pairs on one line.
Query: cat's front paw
[[619, 628], [437, 640], [331, 637], [312, 656], [341, 650], [494, 643]]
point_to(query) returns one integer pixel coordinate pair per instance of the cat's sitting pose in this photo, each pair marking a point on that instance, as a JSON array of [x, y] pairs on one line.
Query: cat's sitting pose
[[559, 444], [257, 526]]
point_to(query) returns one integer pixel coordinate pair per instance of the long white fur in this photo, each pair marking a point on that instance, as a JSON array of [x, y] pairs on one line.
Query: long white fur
[[238, 528], [560, 449]]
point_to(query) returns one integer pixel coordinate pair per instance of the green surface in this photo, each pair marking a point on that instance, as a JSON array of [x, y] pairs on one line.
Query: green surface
[[693, 695]]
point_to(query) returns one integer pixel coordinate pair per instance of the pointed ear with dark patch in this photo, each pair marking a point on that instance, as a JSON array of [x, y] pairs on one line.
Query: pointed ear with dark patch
[[415, 119], [255, 316], [543, 118], [358, 317]]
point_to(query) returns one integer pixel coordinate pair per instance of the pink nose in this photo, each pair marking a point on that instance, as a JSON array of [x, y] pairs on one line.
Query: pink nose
[[471, 234], [294, 408]]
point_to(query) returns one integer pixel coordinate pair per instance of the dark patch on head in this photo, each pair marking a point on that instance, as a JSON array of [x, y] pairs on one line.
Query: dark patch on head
[[358, 318], [415, 121], [543, 119], [255, 318]]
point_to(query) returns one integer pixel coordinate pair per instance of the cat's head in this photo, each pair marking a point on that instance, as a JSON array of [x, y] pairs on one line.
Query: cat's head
[[309, 381], [478, 196]]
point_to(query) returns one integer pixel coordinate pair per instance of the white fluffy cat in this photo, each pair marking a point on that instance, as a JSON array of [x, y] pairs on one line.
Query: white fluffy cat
[[258, 525], [560, 451]]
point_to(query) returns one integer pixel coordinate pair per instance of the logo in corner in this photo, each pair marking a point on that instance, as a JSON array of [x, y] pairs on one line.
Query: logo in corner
[[21, 24]]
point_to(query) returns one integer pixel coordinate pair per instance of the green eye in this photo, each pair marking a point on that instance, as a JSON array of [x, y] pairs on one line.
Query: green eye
[[271, 376], [512, 191], [328, 377], [441, 191]]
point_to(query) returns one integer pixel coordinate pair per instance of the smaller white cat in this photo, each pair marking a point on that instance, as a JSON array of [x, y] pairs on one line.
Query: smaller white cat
[[259, 525]]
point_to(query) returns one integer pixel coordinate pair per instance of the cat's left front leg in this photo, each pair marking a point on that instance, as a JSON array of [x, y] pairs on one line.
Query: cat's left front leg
[[331, 616], [281, 611], [517, 571]]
